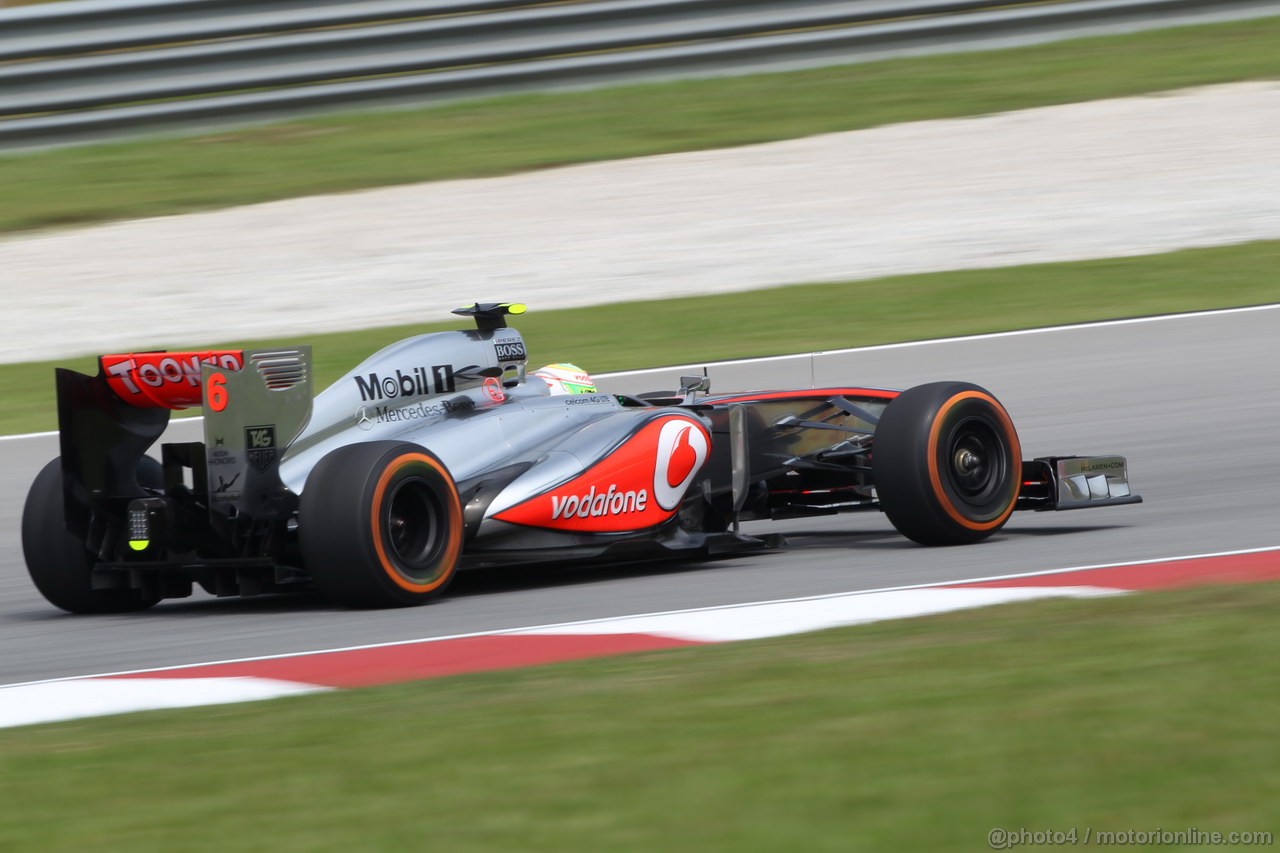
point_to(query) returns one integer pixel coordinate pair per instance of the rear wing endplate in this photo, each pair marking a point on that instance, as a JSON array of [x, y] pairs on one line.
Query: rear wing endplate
[[251, 416]]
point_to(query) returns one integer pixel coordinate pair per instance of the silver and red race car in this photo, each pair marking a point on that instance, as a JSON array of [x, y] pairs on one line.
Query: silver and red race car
[[442, 452]]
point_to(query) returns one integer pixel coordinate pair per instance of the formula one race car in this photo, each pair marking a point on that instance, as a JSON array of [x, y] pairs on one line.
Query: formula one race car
[[442, 452]]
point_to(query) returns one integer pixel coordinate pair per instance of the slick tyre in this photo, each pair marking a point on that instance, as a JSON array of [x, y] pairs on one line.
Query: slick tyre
[[946, 463], [380, 525], [59, 563]]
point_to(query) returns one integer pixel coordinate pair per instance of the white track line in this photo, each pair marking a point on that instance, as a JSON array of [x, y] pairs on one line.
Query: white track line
[[571, 627], [766, 620], [1156, 318], [965, 338], [53, 702], [21, 435]]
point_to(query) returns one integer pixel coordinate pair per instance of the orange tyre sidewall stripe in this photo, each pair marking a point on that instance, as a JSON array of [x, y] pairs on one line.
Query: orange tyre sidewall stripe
[[450, 557], [935, 479]]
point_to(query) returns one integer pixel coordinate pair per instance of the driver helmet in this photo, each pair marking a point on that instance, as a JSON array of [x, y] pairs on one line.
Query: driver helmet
[[566, 379]]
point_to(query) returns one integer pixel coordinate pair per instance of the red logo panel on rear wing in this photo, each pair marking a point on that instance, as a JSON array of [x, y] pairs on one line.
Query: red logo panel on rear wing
[[163, 380]]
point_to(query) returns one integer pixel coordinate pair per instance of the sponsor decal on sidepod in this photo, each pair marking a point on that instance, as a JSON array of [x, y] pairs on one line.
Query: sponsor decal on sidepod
[[639, 485]]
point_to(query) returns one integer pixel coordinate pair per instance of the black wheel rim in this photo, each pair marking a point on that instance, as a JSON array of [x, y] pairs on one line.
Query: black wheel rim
[[975, 466], [415, 528]]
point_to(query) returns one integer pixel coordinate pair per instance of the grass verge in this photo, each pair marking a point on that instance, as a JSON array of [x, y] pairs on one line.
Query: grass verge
[[801, 318], [491, 137], [1146, 711]]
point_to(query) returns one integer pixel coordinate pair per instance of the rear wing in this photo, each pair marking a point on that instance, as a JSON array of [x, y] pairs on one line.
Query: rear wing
[[255, 402], [163, 380]]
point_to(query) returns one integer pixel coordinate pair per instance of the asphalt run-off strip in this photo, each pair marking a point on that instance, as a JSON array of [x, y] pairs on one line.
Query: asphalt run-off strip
[[287, 675]]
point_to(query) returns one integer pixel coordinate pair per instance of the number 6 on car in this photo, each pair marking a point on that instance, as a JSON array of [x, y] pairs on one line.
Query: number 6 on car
[[215, 394]]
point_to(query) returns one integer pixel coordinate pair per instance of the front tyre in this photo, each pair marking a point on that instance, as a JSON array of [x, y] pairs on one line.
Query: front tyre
[[946, 463], [59, 563], [380, 525]]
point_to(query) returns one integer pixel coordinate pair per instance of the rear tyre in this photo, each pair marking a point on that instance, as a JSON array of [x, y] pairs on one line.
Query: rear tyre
[[59, 563], [380, 525], [946, 463]]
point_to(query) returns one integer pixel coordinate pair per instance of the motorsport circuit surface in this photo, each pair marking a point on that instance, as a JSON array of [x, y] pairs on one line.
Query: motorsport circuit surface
[[1190, 399]]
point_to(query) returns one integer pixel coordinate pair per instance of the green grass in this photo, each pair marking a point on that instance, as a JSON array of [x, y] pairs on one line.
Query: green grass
[[800, 318], [1155, 710], [339, 153]]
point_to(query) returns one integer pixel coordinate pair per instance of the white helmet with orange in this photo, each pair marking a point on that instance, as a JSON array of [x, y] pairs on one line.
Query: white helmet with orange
[[566, 379]]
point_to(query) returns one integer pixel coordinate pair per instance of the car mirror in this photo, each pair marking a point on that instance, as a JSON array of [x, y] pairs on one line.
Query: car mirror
[[690, 384]]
